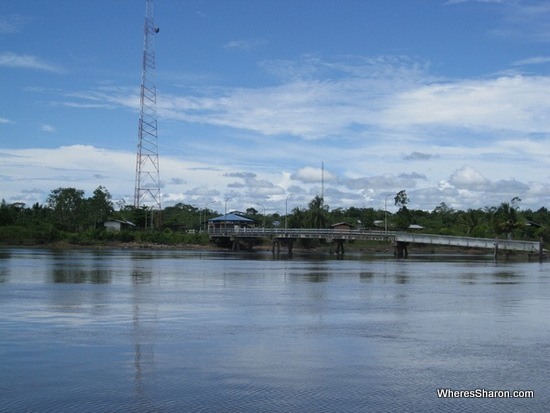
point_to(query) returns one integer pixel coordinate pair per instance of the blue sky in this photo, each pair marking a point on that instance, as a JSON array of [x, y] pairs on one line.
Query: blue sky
[[447, 99]]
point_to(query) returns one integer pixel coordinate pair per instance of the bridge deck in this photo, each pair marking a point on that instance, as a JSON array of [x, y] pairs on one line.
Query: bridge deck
[[470, 242], [406, 237]]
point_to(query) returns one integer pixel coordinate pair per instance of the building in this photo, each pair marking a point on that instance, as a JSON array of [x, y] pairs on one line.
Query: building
[[342, 227], [117, 225], [233, 220]]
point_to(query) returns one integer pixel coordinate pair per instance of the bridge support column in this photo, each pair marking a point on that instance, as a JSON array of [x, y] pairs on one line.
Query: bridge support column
[[400, 249], [541, 249], [339, 247], [290, 245], [236, 245], [289, 242]]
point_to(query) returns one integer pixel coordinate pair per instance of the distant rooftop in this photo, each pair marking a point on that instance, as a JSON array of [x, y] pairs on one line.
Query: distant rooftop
[[232, 217]]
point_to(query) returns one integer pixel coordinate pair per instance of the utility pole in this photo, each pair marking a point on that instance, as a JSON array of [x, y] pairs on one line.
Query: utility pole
[[147, 188]]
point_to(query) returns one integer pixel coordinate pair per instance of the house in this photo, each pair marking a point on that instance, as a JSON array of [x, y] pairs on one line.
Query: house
[[342, 227], [232, 220], [379, 223], [117, 225]]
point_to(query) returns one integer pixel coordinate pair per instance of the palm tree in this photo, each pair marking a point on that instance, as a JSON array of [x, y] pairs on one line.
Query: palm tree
[[317, 213], [473, 222], [506, 219]]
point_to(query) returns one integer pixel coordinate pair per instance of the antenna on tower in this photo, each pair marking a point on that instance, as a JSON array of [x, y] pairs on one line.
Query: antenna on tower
[[323, 181], [147, 188]]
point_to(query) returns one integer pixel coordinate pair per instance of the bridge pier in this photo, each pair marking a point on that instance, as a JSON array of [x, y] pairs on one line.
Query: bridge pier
[[290, 245], [276, 243], [339, 247], [400, 249]]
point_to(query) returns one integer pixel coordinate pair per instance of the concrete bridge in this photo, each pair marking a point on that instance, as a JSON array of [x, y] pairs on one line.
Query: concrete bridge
[[495, 244], [400, 239]]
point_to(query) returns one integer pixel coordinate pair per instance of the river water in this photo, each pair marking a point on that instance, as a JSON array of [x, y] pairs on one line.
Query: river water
[[181, 331]]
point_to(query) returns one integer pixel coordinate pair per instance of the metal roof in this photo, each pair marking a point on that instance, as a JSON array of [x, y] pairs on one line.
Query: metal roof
[[232, 218]]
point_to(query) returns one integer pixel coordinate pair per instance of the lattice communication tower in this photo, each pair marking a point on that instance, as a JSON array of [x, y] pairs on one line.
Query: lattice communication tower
[[147, 189]]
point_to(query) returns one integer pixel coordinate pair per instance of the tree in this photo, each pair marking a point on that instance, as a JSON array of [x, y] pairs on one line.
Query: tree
[[317, 213], [473, 223], [401, 199], [69, 207], [403, 216], [178, 217], [251, 211], [100, 206], [7, 215], [506, 219], [442, 216], [298, 218], [515, 202]]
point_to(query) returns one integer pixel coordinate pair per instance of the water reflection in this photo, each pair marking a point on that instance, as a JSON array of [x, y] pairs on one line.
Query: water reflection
[[139, 276], [505, 277], [5, 255], [80, 275], [401, 278], [4, 273], [142, 333], [468, 278], [366, 276], [178, 331], [313, 276], [78, 267]]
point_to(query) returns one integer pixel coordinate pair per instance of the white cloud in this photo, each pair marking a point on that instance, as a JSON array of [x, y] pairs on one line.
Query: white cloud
[[539, 60], [518, 19], [328, 99], [524, 20], [360, 101], [29, 175], [48, 128], [12, 60], [78, 166], [13, 23], [469, 178], [320, 110], [246, 45], [310, 175], [419, 156], [4, 120], [379, 126], [517, 104]]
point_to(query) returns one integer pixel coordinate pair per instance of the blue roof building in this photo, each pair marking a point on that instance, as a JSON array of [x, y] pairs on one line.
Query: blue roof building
[[232, 219]]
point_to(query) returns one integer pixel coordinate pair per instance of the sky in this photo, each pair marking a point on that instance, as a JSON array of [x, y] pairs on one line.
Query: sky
[[267, 104]]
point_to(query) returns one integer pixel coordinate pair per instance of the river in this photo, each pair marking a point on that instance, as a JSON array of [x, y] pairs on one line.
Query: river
[[194, 331]]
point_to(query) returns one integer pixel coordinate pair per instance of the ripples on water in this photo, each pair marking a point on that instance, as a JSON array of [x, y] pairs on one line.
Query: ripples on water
[[179, 331]]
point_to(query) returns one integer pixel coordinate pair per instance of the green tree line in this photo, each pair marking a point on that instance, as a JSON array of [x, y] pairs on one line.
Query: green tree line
[[68, 215]]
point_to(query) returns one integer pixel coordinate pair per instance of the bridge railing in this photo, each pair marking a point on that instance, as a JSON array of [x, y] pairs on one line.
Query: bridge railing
[[327, 233]]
